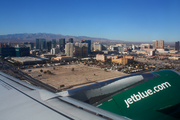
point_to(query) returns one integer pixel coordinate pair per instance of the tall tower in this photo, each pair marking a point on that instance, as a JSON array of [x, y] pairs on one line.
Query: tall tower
[[97, 47], [62, 44], [81, 49], [40, 44], [49, 45], [155, 44], [69, 49], [89, 45], [158, 44], [70, 40], [53, 43], [177, 45], [161, 44], [37, 43]]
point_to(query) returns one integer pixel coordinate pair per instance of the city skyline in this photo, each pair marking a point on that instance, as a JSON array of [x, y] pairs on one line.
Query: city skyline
[[130, 20]]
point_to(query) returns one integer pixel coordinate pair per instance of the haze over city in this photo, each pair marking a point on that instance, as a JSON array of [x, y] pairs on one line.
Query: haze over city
[[127, 20]]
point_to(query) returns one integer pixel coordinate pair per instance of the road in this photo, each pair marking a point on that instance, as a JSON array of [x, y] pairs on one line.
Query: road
[[5, 65]]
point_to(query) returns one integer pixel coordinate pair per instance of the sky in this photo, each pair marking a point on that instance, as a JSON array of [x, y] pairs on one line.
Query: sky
[[127, 20]]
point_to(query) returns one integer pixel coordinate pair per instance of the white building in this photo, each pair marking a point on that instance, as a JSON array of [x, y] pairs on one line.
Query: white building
[[54, 51], [97, 47], [69, 48]]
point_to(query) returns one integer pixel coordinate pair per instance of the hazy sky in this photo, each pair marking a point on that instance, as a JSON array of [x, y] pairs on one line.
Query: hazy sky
[[128, 20]]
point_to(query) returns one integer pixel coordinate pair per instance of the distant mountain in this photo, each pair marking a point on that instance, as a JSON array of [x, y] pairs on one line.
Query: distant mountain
[[48, 36]]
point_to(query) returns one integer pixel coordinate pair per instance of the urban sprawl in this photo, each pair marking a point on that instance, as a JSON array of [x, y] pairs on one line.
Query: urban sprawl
[[123, 58]]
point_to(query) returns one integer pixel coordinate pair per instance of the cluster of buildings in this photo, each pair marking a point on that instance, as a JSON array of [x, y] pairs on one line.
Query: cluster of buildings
[[120, 59], [7, 50], [155, 48], [44, 49], [158, 44], [82, 49]]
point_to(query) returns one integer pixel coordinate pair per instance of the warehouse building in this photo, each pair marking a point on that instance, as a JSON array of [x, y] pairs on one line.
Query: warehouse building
[[29, 60]]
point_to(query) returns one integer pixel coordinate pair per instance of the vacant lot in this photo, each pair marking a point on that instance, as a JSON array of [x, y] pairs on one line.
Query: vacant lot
[[60, 76]]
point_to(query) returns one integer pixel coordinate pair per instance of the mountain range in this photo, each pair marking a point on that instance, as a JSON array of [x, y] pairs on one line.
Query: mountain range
[[49, 36], [31, 37]]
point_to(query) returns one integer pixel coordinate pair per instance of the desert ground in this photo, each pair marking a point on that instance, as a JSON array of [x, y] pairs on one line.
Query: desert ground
[[63, 77]]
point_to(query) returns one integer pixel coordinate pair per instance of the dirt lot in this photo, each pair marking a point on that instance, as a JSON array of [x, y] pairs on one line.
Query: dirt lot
[[64, 75]]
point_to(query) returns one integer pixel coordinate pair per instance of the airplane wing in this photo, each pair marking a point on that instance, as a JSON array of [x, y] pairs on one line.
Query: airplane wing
[[141, 96], [22, 101]]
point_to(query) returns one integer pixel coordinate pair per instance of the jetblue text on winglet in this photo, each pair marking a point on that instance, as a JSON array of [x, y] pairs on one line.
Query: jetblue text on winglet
[[140, 95]]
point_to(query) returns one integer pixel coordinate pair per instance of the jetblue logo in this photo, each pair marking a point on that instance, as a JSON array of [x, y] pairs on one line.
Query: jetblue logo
[[141, 95]]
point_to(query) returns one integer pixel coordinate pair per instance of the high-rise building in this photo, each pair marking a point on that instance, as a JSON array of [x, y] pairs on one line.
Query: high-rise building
[[62, 44], [154, 44], [8, 51], [177, 45], [53, 43], [97, 47], [70, 40], [37, 43], [69, 49], [89, 45], [81, 49], [49, 45], [158, 44], [32, 45], [54, 51], [22, 51], [40, 44]]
